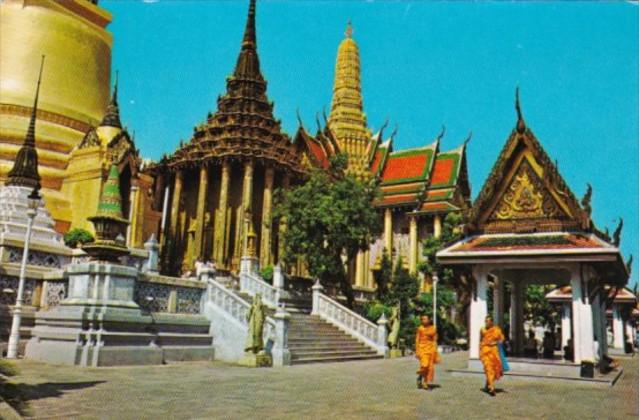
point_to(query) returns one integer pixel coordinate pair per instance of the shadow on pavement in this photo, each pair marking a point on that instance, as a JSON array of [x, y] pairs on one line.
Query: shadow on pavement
[[18, 395]]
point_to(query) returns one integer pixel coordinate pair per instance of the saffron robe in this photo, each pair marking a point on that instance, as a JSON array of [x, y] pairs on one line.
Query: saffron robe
[[489, 354], [426, 351]]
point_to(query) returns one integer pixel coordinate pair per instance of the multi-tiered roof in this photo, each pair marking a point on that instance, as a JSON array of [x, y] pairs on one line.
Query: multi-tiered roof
[[243, 125]]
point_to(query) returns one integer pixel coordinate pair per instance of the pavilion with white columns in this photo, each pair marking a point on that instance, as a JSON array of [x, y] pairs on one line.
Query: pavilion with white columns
[[526, 227], [621, 303]]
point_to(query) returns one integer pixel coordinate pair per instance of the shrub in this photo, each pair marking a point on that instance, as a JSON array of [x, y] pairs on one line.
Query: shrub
[[77, 236], [267, 273]]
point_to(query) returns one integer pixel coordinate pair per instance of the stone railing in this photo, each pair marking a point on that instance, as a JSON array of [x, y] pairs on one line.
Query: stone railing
[[350, 322], [251, 284], [228, 314]]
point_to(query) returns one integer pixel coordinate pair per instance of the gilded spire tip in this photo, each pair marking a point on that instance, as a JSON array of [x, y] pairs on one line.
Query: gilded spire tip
[[349, 29]]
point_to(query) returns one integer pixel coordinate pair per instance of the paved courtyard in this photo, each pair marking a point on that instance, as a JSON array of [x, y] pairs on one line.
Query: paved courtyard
[[379, 389]]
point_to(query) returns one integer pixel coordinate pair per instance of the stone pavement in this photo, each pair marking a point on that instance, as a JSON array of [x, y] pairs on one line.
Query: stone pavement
[[377, 389]]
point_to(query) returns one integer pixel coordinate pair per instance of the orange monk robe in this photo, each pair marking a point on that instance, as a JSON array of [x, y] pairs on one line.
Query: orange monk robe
[[489, 354], [426, 351]]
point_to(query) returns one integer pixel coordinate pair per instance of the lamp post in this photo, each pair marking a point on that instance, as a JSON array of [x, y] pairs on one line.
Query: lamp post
[[435, 280], [33, 201]]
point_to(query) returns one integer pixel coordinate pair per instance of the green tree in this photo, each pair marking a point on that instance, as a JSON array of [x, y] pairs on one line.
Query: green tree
[[77, 236], [403, 290], [456, 278], [328, 217], [537, 308], [383, 276]]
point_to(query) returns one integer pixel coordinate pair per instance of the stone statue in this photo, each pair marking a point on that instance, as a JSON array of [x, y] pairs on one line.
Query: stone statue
[[394, 322], [255, 317]]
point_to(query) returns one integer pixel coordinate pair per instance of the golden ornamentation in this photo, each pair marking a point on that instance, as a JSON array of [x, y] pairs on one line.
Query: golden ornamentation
[[524, 198]]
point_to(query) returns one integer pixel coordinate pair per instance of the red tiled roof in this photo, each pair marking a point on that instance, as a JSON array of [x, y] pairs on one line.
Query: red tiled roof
[[402, 167], [443, 171], [438, 205], [318, 153]]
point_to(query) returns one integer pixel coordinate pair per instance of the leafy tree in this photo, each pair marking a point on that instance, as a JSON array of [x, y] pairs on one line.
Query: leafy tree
[[403, 291], [457, 278], [383, 276], [328, 217], [537, 308], [77, 236], [448, 331]]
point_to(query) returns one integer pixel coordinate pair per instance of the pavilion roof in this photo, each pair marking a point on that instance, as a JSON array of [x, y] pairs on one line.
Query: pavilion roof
[[564, 294], [525, 191], [536, 248]]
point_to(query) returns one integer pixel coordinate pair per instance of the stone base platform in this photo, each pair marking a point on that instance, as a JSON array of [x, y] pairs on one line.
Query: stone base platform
[[553, 370], [111, 336]]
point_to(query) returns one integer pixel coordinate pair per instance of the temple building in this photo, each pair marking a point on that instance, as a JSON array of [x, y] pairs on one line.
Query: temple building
[[220, 184], [79, 130], [418, 186]]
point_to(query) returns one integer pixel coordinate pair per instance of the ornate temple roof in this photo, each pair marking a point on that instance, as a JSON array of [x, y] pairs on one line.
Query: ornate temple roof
[[243, 125], [525, 192], [111, 136], [25, 168], [423, 179]]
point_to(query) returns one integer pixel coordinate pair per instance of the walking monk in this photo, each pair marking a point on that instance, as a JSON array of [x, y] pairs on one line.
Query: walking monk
[[426, 352], [489, 354]]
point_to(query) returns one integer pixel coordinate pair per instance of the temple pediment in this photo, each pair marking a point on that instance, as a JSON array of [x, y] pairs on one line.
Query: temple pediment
[[525, 192]]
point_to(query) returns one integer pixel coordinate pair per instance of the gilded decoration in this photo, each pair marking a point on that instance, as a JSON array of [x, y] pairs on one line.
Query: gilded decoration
[[525, 198]]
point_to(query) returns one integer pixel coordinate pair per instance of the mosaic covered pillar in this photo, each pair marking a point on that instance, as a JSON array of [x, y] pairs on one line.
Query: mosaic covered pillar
[[201, 207], [219, 246], [412, 257], [175, 205], [388, 231], [437, 226], [265, 244], [245, 216]]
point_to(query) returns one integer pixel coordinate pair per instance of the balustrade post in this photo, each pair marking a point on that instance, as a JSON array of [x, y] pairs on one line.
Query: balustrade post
[[382, 334], [317, 289], [278, 277], [207, 273], [280, 353]]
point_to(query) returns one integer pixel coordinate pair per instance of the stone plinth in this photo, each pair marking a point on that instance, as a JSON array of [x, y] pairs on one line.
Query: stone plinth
[[394, 353], [256, 360], [99, 324]]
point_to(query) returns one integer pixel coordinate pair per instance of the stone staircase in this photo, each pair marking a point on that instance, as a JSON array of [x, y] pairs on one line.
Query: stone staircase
[[311, 339]]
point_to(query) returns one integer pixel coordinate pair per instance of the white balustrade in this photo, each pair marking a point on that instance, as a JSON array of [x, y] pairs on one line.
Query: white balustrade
[[350, 322], [251, 285], [275, 328]]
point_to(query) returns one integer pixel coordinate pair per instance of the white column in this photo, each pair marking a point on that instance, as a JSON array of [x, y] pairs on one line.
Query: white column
[[617, 327], [478, 310], [517, 315], [581, 319], [630, 332], [498, 302], [566, 328]]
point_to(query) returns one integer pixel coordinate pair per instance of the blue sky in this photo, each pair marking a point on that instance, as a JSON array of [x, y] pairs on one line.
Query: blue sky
[[424, 64]]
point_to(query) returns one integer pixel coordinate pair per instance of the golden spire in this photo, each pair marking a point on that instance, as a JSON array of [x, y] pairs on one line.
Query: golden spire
[[347, 119]]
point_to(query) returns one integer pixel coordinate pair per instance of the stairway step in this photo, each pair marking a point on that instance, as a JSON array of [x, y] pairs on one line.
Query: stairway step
[[334, 359], [345, 345]]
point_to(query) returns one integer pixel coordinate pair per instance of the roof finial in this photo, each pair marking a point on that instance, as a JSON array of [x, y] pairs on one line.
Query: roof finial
[[441, 133], [112, 115], [249, 40], [299, 117], [25, 168], [521, 126], [394, 133], [470, 135], [349, 29]]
